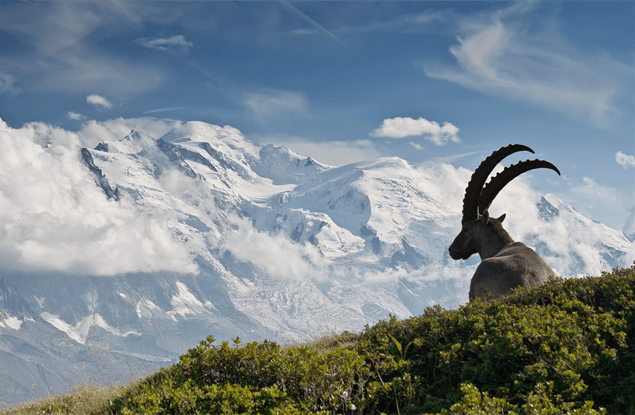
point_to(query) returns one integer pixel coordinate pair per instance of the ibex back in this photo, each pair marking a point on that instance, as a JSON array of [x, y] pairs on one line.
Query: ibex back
[[505, 264]]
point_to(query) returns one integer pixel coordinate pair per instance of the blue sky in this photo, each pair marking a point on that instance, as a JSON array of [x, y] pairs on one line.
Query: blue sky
[[342, 82]]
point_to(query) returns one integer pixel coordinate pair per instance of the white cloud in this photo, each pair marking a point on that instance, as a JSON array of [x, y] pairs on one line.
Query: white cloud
[[265, 105], [624, 160], [496, 57], [629, 226], [400, 127], [94, 132], [595, 191], [55, 219], [331, 153], [98, 100], [416, 146], [277, 255], [174, 44], [74, 116], [58, 57]]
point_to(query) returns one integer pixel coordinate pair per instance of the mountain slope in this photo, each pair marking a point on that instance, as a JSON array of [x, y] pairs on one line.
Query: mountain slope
[[257, 242]]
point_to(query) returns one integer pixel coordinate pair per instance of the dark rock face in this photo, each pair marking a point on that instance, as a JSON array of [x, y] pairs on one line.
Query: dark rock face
[[102, 147], [100, 180], [217, 155], [174, 155], [546, 210], [194, 156]]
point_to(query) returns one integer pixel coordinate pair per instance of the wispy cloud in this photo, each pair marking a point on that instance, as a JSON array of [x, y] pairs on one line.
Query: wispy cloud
[[318, 26], [496, 57], [265, 105], [624, 160], [6, 82], [173, 44], [75, 116], [332, 153], [400, 127], [164, 110], [405, 23], [593, 190], [98, 100], [57, 36], [93, 132]]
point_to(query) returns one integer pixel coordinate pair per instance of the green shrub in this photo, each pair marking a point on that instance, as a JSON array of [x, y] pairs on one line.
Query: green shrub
[[567, 346]]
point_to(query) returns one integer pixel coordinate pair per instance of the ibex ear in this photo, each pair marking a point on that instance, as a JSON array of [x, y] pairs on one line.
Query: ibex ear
[[501, 218], [485, 217]]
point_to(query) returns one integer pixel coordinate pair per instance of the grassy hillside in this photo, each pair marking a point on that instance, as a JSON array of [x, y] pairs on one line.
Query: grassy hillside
[[565, 347]]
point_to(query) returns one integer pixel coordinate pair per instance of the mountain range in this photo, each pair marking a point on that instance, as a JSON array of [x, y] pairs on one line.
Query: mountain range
[[203, 232]]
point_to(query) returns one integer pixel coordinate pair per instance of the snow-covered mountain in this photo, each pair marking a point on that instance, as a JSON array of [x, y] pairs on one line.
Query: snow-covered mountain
[[244, 240]]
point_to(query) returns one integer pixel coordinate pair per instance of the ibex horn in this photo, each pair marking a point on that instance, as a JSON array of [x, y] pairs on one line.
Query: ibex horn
[[479, 177], [501, 180]]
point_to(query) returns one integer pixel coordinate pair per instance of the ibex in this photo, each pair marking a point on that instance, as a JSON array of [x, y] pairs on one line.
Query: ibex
[[505, 264]]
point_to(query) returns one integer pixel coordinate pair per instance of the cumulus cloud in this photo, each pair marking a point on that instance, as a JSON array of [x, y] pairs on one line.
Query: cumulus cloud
[[496, 57], [400, 127], [624, 160], [174, 44], [98, 100], [265, 105], [55, 219], [74, 116]]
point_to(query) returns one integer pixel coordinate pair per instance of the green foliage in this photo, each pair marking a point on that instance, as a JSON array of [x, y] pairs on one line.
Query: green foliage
[[253, 378], [576, 336], [565, 347]]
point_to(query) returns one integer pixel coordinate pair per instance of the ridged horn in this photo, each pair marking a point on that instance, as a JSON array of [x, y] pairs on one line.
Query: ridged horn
[[501, 180], [479, 177]]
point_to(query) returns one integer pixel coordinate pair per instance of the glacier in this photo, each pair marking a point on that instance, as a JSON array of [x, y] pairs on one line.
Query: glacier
[[236, 239]]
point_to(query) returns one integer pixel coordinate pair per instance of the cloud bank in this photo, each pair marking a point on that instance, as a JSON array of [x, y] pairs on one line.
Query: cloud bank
[[54, 217], [400, 127]]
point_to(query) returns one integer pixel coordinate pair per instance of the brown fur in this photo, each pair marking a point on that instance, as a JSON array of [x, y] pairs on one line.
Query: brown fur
[[505, 264]]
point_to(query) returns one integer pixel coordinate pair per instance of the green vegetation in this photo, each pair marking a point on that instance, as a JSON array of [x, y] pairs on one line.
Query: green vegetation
[[565, 347]]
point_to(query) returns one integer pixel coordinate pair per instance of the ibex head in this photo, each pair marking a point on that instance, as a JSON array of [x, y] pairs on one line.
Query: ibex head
[[479, 232]]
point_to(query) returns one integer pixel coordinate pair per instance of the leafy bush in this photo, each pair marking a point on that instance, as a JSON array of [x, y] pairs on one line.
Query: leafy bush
[[572, 340], [567, 346]]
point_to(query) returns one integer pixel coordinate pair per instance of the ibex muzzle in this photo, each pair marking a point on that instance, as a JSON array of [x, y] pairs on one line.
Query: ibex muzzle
[[505, 264]]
